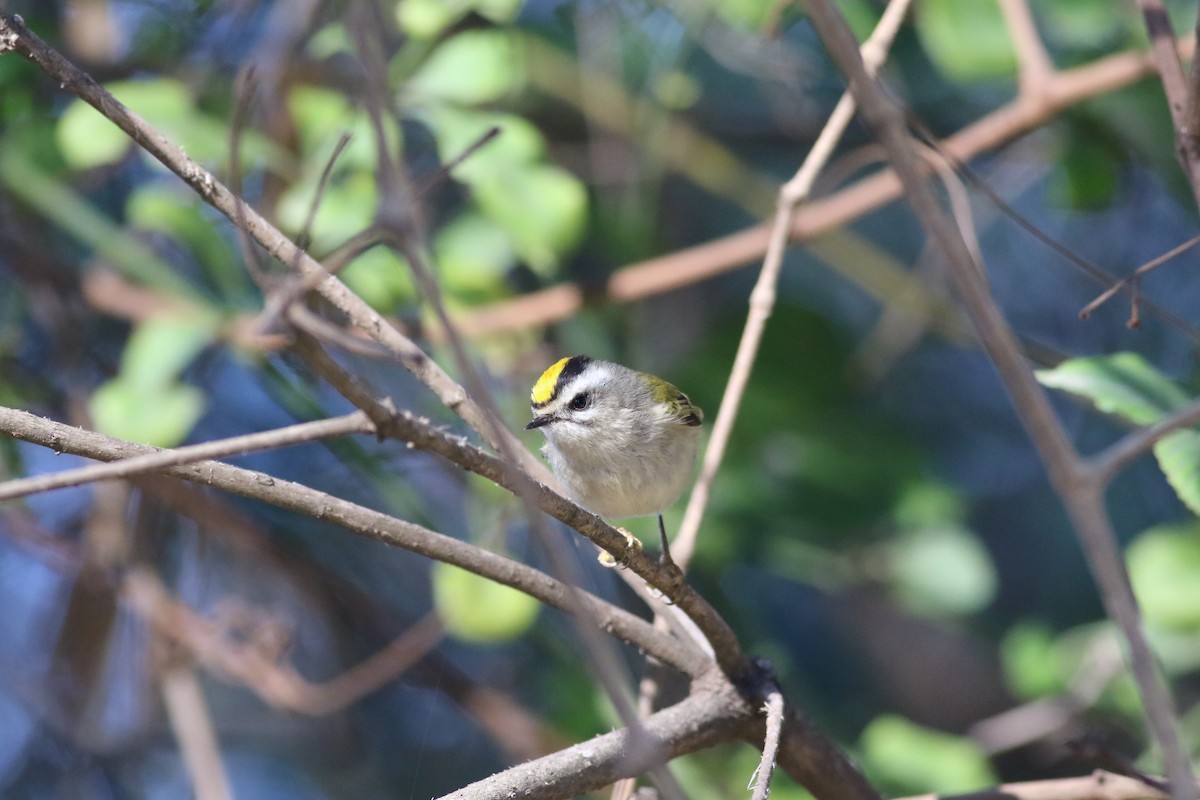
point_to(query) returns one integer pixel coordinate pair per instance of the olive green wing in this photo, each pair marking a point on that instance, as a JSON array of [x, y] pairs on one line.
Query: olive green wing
[[678, 404]]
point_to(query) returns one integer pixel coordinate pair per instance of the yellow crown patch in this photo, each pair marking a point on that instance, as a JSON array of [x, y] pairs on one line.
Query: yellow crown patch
[[543, 390]]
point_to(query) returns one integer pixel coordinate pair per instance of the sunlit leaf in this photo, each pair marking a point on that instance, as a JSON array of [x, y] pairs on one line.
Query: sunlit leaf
[[159, 415], [943, 570], [542, 207], [480, 610], [1179, 457], [518, 142], [1032, 661], [1124, 384], [910, 758], [1164, 566], [88, 139], [473, 67], [159, 349], [473, 254], [967, 39]]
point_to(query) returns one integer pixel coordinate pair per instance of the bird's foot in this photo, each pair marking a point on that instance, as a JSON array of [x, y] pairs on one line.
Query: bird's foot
[[632, 545]]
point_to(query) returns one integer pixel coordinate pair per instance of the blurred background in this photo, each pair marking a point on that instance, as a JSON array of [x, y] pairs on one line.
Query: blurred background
[[881, 530]]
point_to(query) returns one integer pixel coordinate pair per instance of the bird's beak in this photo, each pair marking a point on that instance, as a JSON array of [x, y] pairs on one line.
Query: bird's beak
[[538, 422]]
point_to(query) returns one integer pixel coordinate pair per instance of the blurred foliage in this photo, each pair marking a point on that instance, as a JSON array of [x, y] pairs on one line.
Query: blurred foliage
[[881, 527]]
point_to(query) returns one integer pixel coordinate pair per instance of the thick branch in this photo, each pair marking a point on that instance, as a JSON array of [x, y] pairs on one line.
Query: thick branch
[[363, 521], [705, 718]]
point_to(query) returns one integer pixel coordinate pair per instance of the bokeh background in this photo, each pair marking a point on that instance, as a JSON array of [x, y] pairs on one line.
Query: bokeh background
[[882, 531]]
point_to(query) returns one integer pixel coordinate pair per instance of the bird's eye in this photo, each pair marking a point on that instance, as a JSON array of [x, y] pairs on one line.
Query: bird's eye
[[580, 401]]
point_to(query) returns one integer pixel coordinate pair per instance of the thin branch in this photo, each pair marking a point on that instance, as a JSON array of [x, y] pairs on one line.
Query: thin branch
[[1175, 86], [1133, 277], [278, 685], [1099, 785], [1137, 443], [1080, 492], [760, 782], [762, 298], [1035, 69], [372, 524], [701, 262], [193, 727], [15, 36], [159, 460]]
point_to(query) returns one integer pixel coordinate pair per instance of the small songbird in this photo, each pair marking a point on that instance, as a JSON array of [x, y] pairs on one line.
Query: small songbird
[[622, 442]]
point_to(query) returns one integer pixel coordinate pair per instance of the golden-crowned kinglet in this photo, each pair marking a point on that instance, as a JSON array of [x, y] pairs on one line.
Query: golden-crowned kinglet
[[622, 442]]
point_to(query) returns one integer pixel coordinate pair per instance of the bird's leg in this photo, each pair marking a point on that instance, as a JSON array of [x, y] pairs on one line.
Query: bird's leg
[[665, 558]]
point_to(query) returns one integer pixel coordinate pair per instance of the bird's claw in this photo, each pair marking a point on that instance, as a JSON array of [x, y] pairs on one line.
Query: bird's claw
[[632, 545]]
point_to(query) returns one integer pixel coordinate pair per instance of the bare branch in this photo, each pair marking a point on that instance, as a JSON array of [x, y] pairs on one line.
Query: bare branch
[[762, 298], [1035, 68], [368, 523], [15, 36], [1099, 785], [194, 731], [689, 265], [705, 718], [1119, 455], [1076, 486], [1134, 276], [159, 460], [1175, 86], [761, 780]]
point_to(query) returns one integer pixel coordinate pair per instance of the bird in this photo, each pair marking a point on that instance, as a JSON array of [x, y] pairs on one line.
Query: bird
[[622, 442]]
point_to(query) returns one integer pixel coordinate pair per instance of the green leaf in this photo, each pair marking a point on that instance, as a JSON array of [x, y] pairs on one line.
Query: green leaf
[[381, 278], [473, 255], [477, 609], [472, 68], [1033, 662], [1164, 567], [542, 207], [1179, 458], [911, 758], [88, 139], [942, 570], [519, 142], [967, 39], [159, 415], [1124, 384], [1087, 175], [160, 348]]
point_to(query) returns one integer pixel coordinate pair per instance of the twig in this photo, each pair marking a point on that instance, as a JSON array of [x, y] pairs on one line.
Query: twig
[[194, 731], [760, 782], [397, 217], [1099, 785], [1035, 68], [15, 36], [276, 684], [1134, 276], [374, 525], [762, 298], [1136, 443], [159, 460], [1080, 491], [692, 264]]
